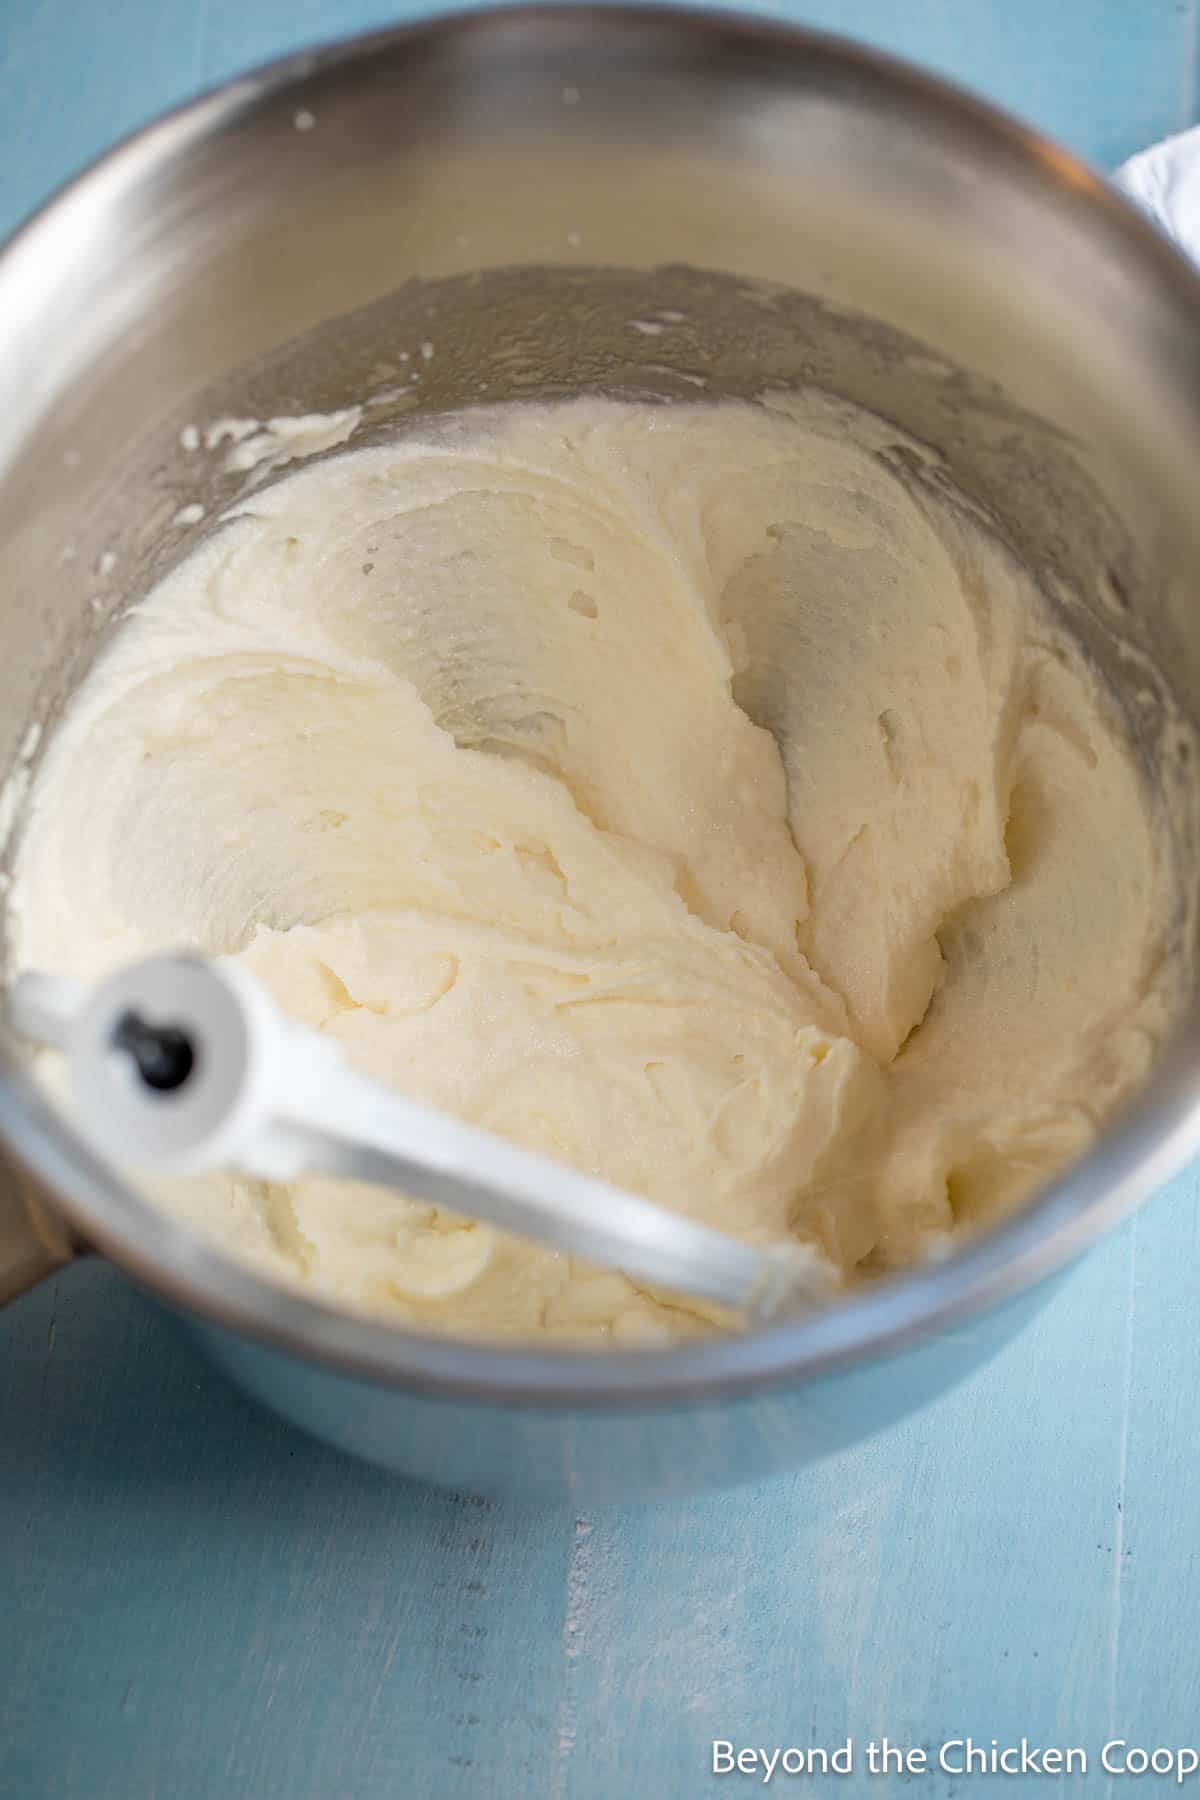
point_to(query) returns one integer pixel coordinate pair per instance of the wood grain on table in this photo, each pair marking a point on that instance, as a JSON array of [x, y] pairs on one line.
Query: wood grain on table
[[197, 1602]]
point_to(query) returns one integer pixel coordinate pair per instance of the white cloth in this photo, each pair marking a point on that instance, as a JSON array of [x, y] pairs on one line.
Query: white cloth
[[1165, 180]]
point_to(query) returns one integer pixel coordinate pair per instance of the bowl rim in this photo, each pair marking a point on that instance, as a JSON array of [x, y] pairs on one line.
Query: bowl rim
[[1143, 1148]]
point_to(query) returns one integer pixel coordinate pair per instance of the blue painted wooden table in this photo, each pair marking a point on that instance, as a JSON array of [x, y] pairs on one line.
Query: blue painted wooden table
[[195, 1602]]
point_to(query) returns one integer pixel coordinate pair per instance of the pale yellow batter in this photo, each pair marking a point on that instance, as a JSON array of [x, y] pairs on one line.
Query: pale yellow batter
[[684, 791]]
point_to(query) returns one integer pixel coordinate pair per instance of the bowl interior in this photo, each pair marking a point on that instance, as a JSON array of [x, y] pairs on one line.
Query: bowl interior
[[671, 206]]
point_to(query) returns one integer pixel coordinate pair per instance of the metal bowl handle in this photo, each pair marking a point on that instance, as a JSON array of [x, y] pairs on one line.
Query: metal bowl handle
[[33, 1240]]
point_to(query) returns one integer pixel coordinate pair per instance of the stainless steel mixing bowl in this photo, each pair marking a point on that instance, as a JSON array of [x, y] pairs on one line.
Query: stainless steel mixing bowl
[[520, 187]]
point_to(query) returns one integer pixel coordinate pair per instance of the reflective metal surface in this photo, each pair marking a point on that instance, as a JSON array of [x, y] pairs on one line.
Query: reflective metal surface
[[520, 187]]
